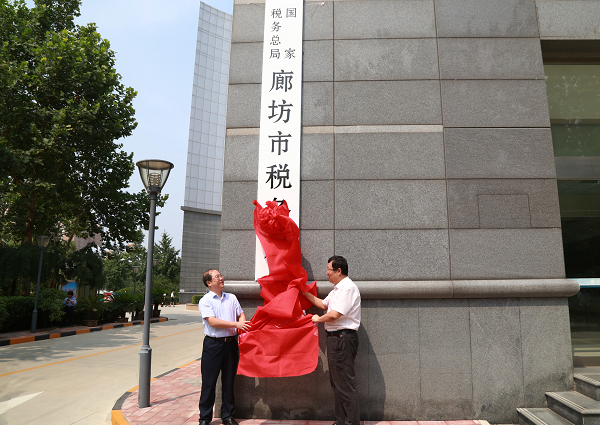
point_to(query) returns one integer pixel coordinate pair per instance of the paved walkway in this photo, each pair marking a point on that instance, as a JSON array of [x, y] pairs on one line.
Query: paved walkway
[[174, 401], [20, 337]]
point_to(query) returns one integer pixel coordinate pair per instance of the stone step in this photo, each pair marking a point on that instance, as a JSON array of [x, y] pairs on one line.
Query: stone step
[[540, 416], [588, 384], [576, 407]]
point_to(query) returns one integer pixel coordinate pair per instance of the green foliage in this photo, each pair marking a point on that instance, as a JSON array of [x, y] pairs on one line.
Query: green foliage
[[3, 312], [92, 306], [20, 263], [169, 262], [19, 311], [158, 296], [119, 272], [124, 302], [85, 267], [62, 109], [138, 304], [196, 298], [51, 301]]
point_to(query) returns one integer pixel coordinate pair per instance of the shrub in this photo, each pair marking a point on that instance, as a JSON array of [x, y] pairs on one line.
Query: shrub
[[3, 312], [123, 302], [108, 314], [158, 296], [196, 298], [92, 306], [19, 311], [51, 302]]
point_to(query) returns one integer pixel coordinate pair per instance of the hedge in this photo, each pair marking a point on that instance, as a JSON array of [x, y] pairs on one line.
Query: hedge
[[18, 310], [196, 298]]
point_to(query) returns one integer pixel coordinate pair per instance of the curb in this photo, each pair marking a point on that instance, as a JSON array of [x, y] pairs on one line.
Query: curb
[[117, 417], [23, 339]]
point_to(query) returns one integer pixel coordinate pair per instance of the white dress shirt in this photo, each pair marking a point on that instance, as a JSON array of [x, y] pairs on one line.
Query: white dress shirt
[[225, 308], [345, 299]]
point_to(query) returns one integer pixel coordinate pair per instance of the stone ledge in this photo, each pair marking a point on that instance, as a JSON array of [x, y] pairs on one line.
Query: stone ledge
[[200, 210], [507, 288]]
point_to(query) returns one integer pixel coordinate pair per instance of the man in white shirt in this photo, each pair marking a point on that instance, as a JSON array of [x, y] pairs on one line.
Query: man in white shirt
[[222, 316], [342, 321]]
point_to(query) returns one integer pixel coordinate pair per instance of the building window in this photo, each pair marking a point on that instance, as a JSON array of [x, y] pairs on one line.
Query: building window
[[574, 105]]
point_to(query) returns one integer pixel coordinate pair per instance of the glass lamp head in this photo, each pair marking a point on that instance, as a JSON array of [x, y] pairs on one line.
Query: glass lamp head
[[154, 173], [136, 269], [42, 241]]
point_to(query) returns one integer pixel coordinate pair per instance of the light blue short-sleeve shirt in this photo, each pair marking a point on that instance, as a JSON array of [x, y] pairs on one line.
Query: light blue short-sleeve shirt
[[225, 308]]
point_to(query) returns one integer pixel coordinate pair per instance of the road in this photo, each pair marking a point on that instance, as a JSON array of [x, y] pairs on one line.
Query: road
[[77, 379]]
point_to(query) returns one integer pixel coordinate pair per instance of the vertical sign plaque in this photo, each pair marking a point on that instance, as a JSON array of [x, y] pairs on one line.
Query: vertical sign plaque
[[280, 112]]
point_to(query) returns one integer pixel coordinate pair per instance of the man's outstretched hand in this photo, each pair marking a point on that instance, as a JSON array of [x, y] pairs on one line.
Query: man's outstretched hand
[[243, 325]]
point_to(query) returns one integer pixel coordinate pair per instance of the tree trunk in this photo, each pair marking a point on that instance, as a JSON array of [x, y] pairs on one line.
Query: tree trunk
[[26, 288]]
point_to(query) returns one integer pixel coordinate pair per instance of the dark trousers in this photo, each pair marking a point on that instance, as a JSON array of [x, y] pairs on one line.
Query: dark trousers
[[341, 351], [223, 357], [69, 315]]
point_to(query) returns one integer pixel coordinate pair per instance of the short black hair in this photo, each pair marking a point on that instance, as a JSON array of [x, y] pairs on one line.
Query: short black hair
[[339, 262], [70, 292], [207, 277]]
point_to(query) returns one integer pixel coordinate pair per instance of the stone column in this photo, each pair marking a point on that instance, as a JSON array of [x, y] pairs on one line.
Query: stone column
[[427, 162]]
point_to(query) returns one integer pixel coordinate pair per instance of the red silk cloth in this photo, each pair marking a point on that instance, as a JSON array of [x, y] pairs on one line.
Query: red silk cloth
[[283, 341]]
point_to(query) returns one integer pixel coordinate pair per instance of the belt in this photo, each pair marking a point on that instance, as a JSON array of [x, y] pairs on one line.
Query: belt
[[222, 339], [341, 332]]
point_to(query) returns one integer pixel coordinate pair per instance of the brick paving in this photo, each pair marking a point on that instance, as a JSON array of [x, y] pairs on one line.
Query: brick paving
[[174, 401]]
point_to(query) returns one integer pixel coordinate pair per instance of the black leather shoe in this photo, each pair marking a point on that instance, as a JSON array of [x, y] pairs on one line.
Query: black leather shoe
[[204, 423], [230, 421]]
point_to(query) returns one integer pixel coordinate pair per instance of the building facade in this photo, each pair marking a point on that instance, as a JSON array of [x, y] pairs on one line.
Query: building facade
[[427, 160], [204, 172]]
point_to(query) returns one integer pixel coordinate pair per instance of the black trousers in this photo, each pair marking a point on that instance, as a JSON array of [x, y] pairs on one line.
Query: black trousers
[[341, 352], [218, 357], [70, 314]]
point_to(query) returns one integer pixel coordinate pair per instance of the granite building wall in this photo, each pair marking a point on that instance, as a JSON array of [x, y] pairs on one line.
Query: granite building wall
[[427, 162]]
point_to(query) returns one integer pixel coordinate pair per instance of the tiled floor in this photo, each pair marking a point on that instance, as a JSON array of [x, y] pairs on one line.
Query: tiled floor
[[173, 398], [174, 401]]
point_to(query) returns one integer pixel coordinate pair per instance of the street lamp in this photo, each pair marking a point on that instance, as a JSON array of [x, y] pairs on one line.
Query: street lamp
[[136, 270], [154, 173], [154, 263], [42, 243]]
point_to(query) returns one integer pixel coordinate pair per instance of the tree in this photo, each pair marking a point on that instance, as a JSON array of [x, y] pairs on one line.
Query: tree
[[19, 265], [85, 266], [118, 267], [169, 263], [62, 108]]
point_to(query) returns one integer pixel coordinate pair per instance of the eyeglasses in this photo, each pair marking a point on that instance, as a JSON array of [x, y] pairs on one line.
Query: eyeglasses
[[332, 270], [217, 276]]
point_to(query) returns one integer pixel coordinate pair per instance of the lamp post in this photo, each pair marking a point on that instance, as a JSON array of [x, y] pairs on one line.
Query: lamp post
[[42, 243], [154, 174], [154, 263], [136, 270]]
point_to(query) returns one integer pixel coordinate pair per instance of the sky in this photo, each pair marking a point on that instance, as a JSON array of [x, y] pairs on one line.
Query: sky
[[155, 49]]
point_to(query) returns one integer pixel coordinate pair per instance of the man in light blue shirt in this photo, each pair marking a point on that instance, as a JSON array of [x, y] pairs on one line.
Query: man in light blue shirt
[[222, 317]]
